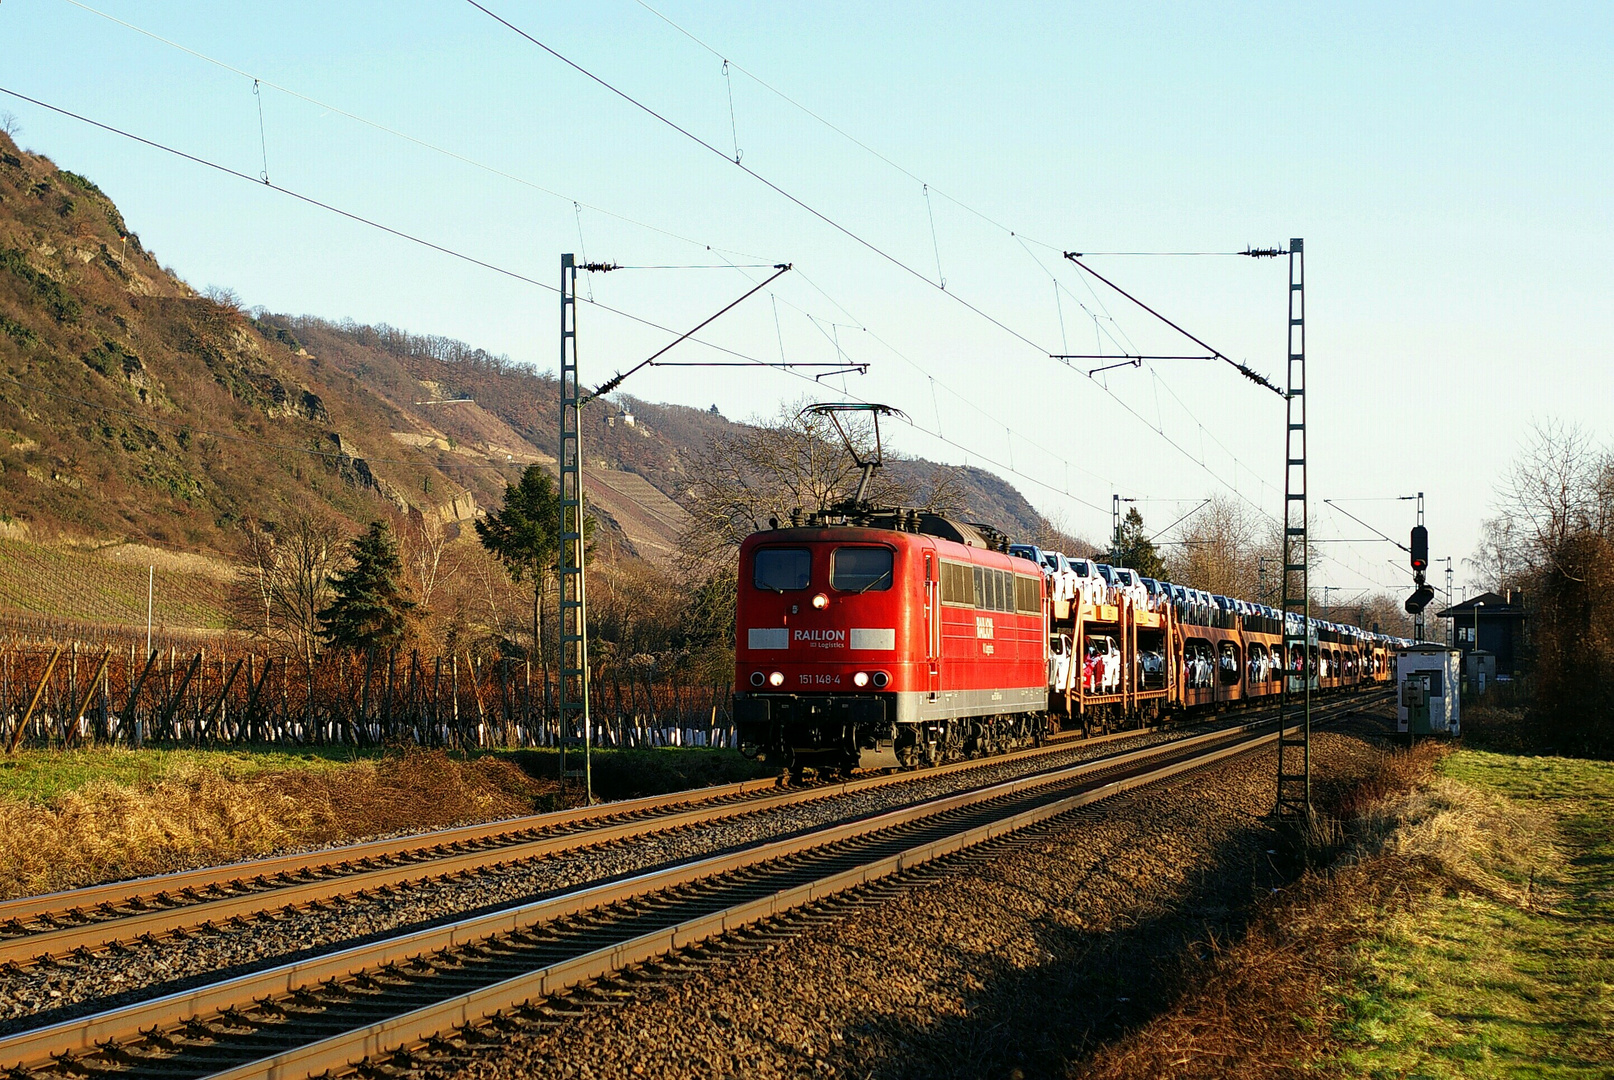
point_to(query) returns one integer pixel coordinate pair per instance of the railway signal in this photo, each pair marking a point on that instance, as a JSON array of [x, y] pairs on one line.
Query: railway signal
[[1420, 597], [1419, 550]]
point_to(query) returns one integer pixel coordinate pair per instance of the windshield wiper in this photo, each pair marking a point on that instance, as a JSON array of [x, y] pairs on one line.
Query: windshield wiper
[[873, 583]]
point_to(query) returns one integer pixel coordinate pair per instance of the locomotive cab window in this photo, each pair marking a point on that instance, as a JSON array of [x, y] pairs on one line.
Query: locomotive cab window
[[861, 569], [782, 569]]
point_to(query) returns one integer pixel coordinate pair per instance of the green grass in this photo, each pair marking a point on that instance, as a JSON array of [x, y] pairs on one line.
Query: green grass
[[42, 775], [1469, 985]]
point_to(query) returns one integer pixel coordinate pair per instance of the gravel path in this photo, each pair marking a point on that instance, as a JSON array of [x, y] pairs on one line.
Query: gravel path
[[1011, 969], [73, 987]]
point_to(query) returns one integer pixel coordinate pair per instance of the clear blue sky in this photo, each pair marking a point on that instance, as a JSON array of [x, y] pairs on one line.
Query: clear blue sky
[[1447, 165]]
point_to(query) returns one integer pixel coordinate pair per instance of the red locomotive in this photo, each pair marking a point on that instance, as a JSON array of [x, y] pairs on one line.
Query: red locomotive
[[880, 638], [901, 639]]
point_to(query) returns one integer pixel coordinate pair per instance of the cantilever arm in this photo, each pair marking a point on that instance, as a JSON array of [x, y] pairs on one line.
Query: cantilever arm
[[616, 380]]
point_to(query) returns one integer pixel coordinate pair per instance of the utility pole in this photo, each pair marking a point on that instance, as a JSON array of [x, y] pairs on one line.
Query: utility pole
[[1115, 528], [1294, 703], [574, 664], [1451, 636], [574, 702]]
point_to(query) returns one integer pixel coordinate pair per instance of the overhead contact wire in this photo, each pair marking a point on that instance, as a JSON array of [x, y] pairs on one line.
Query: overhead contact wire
[[815, 212], [372, 223], [394, 132]]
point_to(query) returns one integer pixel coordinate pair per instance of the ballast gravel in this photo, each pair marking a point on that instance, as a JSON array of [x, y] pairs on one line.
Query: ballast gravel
[[1013, 968], [76, 986]]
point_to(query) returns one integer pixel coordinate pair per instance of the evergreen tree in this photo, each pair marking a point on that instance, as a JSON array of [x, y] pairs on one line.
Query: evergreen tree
[[525, 535], [1133, 549], [370, 609]]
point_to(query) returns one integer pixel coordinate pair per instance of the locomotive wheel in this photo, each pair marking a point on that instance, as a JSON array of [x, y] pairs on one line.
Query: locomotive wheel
[[906, 745]]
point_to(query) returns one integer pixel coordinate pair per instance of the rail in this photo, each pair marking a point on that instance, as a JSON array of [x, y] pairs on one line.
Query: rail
[[332, 1011], [101, 916]]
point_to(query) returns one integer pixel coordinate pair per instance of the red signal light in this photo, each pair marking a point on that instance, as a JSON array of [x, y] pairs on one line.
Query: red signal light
[[1420, 548]]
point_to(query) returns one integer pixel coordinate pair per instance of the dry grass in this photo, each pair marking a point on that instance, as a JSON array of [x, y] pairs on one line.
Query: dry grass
[[200, 814], [1465, 839], [1261, 1006]]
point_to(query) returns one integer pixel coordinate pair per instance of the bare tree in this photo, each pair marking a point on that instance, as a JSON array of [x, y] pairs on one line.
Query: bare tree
[[286, 575], [253, 595], [1220, 550], [1554, 536], [1560, 486], [1055, 534], [425, 543], [224, 296], [309, 549], [1382, 611], [10, 124], [752, 474]]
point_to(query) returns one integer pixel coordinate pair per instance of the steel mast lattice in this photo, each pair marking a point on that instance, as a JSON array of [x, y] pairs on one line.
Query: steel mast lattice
[[1294, 703], [574, 703]]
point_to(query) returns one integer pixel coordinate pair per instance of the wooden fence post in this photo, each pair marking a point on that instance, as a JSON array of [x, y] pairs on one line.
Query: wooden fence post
[[78, 716], [16, 734], [178, 698]]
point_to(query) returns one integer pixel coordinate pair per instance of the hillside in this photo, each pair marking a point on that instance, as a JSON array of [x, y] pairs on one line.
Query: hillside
[[133, 409]]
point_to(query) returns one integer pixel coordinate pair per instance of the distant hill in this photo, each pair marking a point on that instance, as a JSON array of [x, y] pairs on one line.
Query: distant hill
[[133, 409]]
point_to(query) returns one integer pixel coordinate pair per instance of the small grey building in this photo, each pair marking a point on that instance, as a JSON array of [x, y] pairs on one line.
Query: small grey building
[[1427, 698]]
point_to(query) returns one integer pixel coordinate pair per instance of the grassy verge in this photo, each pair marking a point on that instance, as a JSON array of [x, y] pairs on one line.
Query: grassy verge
[[41, 776], [1465, 930], [78, 817], [1508, 972], [1264, 1004]]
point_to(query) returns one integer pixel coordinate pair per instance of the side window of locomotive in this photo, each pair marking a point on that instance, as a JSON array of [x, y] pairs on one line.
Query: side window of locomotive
[[861, 569], [1027, 596], [782, 569], [958, 586]]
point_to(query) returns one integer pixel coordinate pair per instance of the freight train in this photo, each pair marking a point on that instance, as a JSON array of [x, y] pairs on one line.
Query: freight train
[[902, 638]]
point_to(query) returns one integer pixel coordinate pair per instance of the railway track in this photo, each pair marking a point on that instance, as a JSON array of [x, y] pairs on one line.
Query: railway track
[[375, 1002], [37, 928]]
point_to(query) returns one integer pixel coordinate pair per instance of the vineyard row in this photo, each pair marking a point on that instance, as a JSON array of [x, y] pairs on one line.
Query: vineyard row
[[63, 694]]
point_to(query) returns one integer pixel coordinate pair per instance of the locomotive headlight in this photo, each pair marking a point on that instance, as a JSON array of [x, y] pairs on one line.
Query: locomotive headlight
[[776, 679], [820, 601], [880, 679], [757, 678], [860, 679]]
